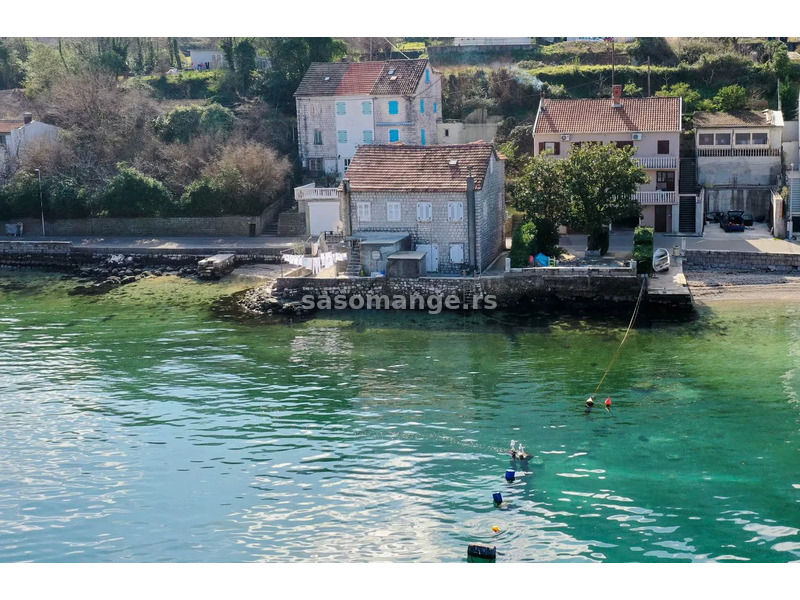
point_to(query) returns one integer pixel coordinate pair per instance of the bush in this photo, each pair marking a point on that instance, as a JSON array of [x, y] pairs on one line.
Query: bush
[[183, 123], [598, 240], [547, 237], [203, 198], [523, 245], [643, 255], [131, 193], [643, 236]]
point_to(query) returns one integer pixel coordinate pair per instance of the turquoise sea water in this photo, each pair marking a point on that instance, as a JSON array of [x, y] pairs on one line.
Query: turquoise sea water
[[142, 426]]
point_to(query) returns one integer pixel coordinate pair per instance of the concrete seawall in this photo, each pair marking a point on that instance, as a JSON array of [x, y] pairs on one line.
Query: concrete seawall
[[742, 261]]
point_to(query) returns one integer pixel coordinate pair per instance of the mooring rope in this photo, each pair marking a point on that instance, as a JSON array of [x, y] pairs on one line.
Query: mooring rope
[[619, 349]]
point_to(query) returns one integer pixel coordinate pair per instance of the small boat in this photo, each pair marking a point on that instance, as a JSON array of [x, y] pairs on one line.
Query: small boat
[[661, 260]]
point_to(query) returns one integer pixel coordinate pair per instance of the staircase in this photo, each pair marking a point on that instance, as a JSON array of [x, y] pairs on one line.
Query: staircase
[[471, 290], [688, 177], [271, 228], [354, 265], [291, 223]]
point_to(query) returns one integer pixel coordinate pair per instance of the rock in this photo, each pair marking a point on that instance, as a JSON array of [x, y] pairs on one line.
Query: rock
[[128, 279]]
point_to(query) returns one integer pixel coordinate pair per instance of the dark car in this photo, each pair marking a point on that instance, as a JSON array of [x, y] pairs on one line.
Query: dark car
[[733, 221], [747, 218]]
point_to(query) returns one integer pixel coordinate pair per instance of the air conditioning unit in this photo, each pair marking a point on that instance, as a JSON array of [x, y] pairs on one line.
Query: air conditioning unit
[[565, 138], [637, 137]]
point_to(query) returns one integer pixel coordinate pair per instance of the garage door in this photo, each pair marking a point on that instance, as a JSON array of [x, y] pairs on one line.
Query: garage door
[[323, 216]]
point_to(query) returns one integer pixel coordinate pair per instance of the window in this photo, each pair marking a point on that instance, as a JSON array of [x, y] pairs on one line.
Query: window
[[457, 253], [623, 144], [394, 135], [722, 139], [665, 181], [455, 211], [366, 108], [554, 147], [340, 108], [315, 165], [663, 146], [392, 211], [346, 164], [760, 138], [317, 137], [422, 136], [422, 106], [446, 133], [391, 71], [742, 139], [342, 135], [424, 211], [706, 139], [368, 139], [364, 211], [427, 75], [435, 107], [394, 108]]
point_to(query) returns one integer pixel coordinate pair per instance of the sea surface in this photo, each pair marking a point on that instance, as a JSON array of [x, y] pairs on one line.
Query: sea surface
[[145, 426]]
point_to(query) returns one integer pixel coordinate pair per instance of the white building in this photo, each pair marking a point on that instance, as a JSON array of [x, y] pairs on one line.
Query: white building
[[341, 106], [206, 59], [16, 135]]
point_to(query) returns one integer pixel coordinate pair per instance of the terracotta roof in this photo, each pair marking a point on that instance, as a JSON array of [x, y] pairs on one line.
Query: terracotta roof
[[7, 126], [401, 168], [403, 79], [598, 115], [322, 79], [735, 118], [359, 79], [362, 78]]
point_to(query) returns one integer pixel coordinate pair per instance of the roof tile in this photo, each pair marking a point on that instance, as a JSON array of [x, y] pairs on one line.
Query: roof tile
[[359, 79], [403, 80], [314, 82], [735, 118], [401, 168], [8, 125], [598, 115]]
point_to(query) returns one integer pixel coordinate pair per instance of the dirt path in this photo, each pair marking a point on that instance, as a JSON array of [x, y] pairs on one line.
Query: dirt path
[[716, 286]]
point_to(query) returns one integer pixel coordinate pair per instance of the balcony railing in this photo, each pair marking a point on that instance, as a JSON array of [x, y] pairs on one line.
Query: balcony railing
[[657, 197], [738, 152], [315, 193], [657, 162]]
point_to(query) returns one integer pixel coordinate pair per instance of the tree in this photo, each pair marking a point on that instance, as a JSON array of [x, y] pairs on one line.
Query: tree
[[44, 68], [11, 71], [523, 245], [731, 97], [183, 123], [682, 90], [631, 89], [779, 60], [656, 49], [788, 98], [601, 182], [131, 193]]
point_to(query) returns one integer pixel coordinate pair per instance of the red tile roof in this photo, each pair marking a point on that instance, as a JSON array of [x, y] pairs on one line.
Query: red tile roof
[[7, 126], [367, 78], [737, 118], [598, 115], [359, 79], [401, 168]]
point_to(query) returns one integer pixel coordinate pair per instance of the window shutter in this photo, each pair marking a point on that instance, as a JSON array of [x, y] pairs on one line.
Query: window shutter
[[557, 148], [541, 147]]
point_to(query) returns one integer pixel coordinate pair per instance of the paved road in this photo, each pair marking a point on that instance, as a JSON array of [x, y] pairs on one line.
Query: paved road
[[122, 244]]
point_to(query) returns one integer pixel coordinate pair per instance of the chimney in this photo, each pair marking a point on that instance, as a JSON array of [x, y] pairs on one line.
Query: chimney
[[27, 117], [616, 95]]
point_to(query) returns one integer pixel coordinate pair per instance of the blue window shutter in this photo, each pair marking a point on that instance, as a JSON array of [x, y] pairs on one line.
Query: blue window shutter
[[393, 107], [435, 107], [427, 75], [394, 135], [422, 106], [423, 137], [340, 108]]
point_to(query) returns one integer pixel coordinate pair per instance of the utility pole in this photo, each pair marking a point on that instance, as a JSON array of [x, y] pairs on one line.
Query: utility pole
[[41, 202], [648, 77], [612, 62]]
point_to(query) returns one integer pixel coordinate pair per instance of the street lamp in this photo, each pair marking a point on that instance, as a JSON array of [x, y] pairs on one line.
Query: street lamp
[[41, 202]]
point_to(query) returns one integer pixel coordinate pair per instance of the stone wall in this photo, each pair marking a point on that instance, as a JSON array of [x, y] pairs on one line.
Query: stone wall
[[490, 209], [172, 226], [17, 247], [742, 261], [584, 284]]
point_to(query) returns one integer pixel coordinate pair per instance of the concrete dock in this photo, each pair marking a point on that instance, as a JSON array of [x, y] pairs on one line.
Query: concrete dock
[[669, 287]]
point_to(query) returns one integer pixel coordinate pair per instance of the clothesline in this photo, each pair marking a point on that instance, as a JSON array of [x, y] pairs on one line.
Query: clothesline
[[315, 263]]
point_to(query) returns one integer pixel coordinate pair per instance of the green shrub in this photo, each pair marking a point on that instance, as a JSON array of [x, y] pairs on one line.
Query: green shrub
[[643, 255], [183, 123], [203, 198], [643, 236], [598, 240], [131, 193], [523, 245]]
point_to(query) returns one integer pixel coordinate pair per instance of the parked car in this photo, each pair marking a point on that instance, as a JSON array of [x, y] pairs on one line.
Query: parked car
[[747, 218], [733, 221]]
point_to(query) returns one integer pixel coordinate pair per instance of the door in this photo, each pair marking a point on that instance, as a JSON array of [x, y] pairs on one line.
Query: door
[[661, 218], [665, 181], [431, 256]]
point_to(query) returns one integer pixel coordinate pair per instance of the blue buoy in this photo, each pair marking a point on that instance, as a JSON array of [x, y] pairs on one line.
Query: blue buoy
[[510, 474], [497, 497]]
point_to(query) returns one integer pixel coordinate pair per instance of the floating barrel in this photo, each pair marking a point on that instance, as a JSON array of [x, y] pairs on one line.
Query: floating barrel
[[479, 553], [497, 497], [510, 474]]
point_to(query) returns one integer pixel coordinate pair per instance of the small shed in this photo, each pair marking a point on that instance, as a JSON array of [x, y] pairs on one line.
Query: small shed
[[377, 246], [406, 264]]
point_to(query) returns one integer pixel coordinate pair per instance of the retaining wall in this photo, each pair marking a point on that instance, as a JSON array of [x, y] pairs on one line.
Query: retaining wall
[[175, 226], [742, 261]]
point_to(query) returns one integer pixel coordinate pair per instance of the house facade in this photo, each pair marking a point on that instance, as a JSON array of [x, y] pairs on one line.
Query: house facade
[[17, 135], [206, 59], [739, 158], [449, 199], [341, 106], [651, 125]]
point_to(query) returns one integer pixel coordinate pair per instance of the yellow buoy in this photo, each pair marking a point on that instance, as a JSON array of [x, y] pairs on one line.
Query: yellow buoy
[[495, 529]]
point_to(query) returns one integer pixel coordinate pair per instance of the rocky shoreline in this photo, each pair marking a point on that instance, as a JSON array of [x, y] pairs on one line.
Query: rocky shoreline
[[119, 270], [715, 285]]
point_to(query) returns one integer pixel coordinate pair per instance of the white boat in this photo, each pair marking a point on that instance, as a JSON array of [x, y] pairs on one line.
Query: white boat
[[661, 260]]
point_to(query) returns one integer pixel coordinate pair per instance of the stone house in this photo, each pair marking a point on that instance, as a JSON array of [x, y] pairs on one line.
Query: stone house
[[739, 158], [449, 199], [651, 125], [341, 106], [16, 135]]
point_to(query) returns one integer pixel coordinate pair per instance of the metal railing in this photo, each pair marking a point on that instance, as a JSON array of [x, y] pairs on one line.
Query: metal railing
[[657, 162], [714, 152], [312, 193], [657, 197]]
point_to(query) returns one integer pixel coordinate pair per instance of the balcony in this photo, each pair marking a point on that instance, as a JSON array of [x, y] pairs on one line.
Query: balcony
[[657, 162], [309, 192], [738, 152], [657, 197]]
